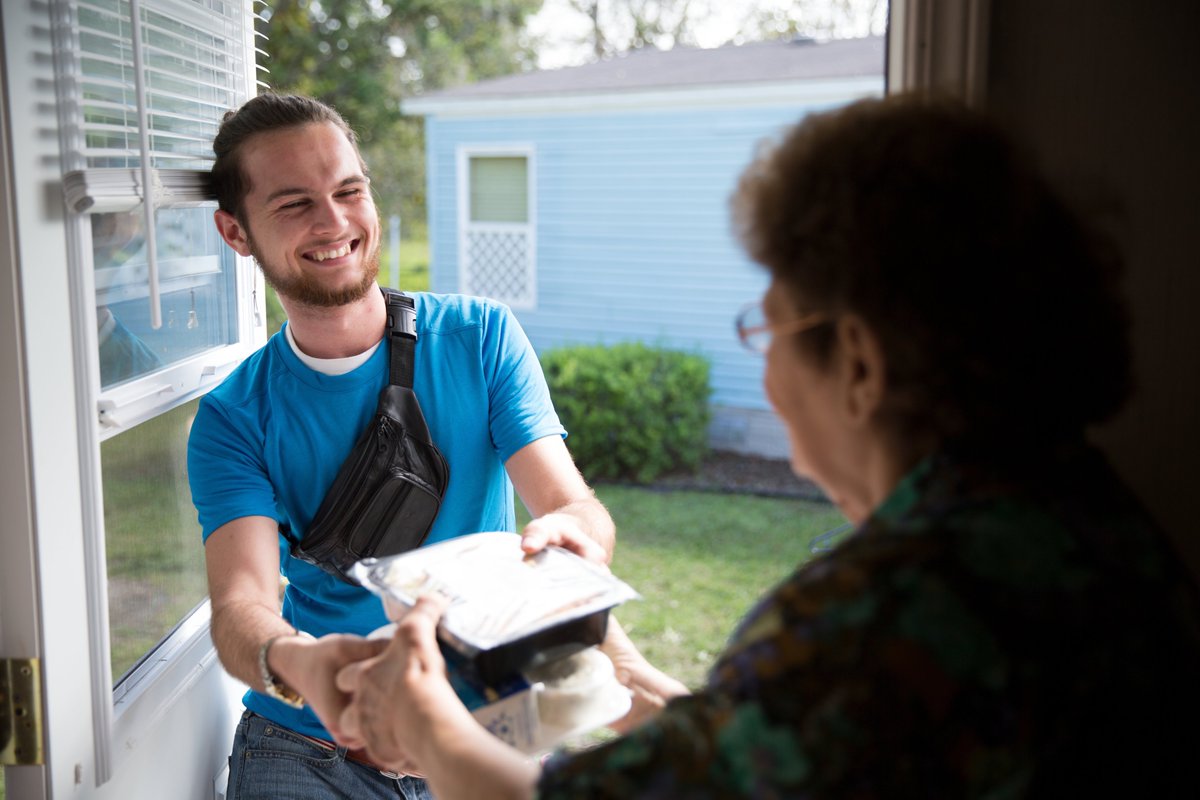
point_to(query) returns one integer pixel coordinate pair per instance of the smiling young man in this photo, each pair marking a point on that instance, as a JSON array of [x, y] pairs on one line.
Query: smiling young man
[[294, 194]]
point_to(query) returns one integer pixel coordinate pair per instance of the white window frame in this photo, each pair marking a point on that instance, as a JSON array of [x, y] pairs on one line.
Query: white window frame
[[120, 714], [464, 154]]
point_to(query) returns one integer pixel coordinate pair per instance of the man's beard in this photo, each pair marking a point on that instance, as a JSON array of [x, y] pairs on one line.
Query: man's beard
[[307, 291]]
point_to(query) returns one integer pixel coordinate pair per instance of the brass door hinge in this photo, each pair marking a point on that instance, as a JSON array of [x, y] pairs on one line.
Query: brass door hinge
[[21, 729]]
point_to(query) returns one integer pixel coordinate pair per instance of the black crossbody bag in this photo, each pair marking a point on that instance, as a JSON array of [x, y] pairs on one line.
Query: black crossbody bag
[[389, 489]]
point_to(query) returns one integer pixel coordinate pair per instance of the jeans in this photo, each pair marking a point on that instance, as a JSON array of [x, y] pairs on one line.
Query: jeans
[[270, 762]]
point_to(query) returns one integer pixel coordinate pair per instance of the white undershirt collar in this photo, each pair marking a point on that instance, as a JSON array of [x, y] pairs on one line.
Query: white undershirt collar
[[330, 366]]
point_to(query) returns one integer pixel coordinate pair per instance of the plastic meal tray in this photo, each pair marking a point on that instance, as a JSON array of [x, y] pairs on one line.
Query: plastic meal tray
[[508, 610]]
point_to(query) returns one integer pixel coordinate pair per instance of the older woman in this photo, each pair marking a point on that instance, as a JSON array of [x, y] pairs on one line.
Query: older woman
[[939, 332]]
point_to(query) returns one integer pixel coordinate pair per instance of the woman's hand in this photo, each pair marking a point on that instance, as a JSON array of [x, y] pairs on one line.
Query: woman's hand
[[400, 696]]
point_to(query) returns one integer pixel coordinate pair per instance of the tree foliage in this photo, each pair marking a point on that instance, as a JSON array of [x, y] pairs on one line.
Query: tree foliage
[[819, 19], [616, 26], [609, 27], [365, 56]]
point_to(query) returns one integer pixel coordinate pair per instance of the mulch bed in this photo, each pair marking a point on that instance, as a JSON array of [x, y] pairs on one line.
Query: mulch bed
[[724, 471]]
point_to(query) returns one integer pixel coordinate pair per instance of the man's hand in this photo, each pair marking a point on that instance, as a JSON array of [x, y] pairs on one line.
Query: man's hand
[[310, 666], [651, 687], [564, 531], [565, 510]]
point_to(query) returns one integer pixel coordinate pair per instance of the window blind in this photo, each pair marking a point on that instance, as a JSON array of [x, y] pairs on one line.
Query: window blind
[[195, 66], [193, 70], [148, 84]]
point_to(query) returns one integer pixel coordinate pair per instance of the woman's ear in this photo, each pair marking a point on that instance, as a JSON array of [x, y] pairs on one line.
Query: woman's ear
[[862, 369], [232, 231]]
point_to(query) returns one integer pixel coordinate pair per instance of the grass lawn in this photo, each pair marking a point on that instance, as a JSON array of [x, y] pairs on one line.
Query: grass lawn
[[155, 560], [699, 561], [414, 266]]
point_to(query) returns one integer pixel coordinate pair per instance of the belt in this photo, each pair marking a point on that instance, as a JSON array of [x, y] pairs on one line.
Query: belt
[[358, 757]]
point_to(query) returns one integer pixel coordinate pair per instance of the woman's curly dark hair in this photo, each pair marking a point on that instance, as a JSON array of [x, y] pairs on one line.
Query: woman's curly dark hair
[[997, 309]]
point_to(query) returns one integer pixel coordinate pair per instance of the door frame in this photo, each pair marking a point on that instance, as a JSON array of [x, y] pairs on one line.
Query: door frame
[[18, 586]]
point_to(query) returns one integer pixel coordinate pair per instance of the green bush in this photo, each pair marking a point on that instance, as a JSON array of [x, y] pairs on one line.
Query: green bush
[[633, 412]]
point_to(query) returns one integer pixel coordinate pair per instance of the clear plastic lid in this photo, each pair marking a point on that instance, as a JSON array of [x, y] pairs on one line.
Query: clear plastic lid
[[498, 593]]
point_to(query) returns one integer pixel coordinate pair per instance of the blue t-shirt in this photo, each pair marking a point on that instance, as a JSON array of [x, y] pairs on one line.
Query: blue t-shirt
[[270, 440]]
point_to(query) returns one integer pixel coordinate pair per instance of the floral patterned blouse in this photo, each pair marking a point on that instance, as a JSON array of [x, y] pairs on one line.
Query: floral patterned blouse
[[992, 630]]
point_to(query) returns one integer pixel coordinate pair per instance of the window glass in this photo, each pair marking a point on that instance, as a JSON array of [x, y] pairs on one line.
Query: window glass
[[155, 559], [499, 189], [197, 280]]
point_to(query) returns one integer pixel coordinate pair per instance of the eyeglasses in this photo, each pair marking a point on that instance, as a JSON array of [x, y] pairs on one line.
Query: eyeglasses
[[755, 333]]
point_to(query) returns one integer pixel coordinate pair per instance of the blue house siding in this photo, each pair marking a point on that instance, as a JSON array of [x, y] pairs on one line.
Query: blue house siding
[[633, 235]]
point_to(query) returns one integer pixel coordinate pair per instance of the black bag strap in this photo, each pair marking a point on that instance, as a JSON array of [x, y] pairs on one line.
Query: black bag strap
[[402, 336], [402, 341]]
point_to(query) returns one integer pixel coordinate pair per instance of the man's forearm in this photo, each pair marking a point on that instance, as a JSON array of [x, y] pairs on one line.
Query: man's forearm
[[581, 526], [304, 664], [651, 687], [239, 631], [563, 507]]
